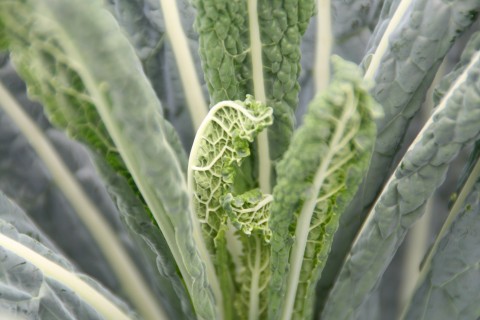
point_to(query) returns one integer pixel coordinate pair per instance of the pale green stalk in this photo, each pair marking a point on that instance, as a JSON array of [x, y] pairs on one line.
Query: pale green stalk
[[234, 246], [305, 217], [121, 264], [254, 306], [323, 45], [383, 45], [417, 245], [191, 85], [264, 169], [197, 232]]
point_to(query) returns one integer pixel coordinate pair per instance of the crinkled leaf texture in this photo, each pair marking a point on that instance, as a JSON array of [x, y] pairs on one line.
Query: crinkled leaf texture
[[453, 125], [449, 279], [31, 291], [317, 177], [26, 181], [229, 53], [91, 81], [144, 22], [449, 289], [416, 48], [24, 178], [221, 145], [220, 200]]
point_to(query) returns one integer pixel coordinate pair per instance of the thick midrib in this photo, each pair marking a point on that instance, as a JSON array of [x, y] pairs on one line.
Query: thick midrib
[[118, 259], [383, 44], [441, 106], [305, 216], [186, 67], [146, 189], [468, 186], [323, 45], [53, 270], [197, 233], [260, 95], [253, 311]]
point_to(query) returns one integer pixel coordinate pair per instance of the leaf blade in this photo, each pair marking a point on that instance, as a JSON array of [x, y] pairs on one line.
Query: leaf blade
[[108, 83], [448, 287], [416, 47], [23, 257], [402, 201], [242, 52], [313, 178]]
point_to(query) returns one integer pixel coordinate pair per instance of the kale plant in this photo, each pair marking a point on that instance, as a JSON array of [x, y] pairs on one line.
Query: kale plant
[[238, 159]]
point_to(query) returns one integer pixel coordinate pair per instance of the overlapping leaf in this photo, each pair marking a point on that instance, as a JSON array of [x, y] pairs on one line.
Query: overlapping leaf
[[220, 147], [416, 47], [94, 86], [316, 179], [144, 23], [228, 50], [449, 289], [453, 125], [30, 289]]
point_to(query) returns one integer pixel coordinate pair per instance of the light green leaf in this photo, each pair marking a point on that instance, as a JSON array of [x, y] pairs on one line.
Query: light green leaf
[[453, 125], [254, 277], [249, 213], [316, 179], [87, 74], [221, 144]]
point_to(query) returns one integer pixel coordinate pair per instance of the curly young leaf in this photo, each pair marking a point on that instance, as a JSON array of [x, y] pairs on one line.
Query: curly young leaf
[[316, 179], [249, 212], [221, 144], [253, 47]]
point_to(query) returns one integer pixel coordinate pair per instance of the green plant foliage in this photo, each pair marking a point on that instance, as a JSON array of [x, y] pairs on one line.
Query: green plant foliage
[[281, 200], [316, 179]]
